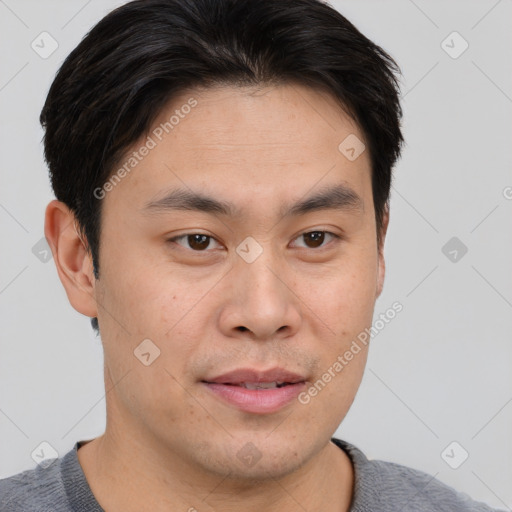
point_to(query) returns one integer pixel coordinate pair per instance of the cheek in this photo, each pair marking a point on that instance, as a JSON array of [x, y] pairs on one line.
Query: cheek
[[343, 297], [147, 296], [329, 397], [341, 390]]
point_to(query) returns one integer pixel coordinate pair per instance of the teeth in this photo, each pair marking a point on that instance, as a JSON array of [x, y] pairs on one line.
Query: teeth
[[260, 385]]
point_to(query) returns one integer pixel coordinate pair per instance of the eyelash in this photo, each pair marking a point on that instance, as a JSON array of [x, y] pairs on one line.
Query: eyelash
[[186, 235]]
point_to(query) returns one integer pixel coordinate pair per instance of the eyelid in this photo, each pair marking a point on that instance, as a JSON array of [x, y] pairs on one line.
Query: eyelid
[[323, 246], [316, 249], [185, 235]]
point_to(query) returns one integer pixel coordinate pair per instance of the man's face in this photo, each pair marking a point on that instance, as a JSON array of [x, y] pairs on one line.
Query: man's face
[[256, 292]]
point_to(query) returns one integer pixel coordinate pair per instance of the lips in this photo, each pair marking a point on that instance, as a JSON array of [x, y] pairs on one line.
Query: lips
[[253, 391], [244, 376]]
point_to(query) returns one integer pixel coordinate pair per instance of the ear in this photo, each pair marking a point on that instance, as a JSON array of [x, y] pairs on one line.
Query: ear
[[73, 261], [382, 264]]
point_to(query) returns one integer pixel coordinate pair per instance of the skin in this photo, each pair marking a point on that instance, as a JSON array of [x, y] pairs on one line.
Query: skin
[[301, 303]]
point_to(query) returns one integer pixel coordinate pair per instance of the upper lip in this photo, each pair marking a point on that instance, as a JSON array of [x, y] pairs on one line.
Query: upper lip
[[252, 375]]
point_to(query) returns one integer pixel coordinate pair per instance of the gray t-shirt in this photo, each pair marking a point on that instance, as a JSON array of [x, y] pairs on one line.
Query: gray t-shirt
[[380, 486]]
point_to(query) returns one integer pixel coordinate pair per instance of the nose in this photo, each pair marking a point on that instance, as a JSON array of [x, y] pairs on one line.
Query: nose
[[260, 302]]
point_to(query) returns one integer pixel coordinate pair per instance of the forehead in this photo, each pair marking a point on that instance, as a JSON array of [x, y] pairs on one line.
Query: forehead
[[252, 118], [250, 143]]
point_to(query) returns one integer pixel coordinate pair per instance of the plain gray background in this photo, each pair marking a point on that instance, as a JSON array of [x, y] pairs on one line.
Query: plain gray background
[[439, 372]]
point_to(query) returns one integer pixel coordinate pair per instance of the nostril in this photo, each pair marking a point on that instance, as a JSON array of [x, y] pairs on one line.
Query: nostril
[[242, 328]]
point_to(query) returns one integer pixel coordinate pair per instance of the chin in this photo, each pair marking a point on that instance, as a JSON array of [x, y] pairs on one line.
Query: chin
[[255, 456]]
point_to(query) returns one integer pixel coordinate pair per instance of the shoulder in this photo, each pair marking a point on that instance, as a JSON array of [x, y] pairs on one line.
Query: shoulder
[[38, 489], [424, 492], [391, 486]]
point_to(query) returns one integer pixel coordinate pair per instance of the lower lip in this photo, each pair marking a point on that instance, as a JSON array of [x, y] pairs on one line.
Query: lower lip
[[258, 401]]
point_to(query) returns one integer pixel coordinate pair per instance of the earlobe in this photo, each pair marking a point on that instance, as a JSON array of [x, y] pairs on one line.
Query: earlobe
[[72, 260]]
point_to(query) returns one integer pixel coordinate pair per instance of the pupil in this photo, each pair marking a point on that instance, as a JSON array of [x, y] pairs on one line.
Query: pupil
[[317, 237], [198, 241]]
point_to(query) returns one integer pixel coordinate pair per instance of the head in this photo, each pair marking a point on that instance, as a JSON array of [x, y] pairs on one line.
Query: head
[[222, 170]]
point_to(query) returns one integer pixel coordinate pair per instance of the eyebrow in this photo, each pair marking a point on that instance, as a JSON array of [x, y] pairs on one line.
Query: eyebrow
[[337, 197]]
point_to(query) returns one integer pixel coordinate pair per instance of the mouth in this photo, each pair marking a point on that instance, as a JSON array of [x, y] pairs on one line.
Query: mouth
[[257, 392], [259, 385]]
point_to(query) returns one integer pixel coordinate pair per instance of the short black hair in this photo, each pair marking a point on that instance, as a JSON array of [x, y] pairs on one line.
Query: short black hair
[[113, 85]]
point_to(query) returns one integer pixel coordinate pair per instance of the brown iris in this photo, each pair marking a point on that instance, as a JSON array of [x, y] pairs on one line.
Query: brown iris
[[316, 237], [198, 242]]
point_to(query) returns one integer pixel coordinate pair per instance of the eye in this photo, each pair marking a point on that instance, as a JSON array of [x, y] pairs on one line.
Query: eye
[[314, 239], [196, 242]]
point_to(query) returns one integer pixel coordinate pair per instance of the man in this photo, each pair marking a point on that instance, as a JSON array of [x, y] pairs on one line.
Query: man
[[222, 172]]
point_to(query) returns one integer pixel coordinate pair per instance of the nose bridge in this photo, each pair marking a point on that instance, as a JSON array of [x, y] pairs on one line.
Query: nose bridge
[[258, 275], [262, 301], [262, 282]]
